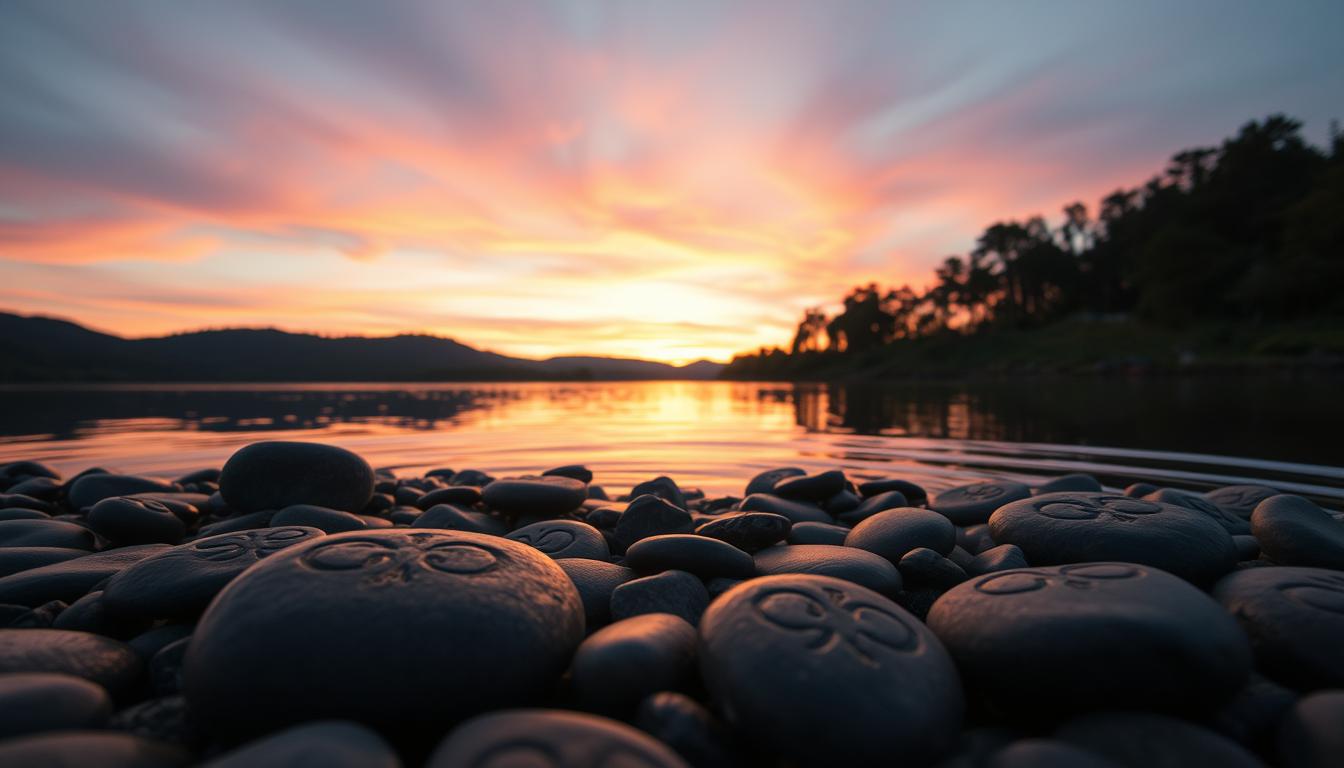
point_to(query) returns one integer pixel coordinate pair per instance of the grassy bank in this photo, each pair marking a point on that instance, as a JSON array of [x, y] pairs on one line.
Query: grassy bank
[[1075, 346]]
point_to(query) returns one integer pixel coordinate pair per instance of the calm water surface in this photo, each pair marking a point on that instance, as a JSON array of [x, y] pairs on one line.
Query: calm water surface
[[1194, 433]]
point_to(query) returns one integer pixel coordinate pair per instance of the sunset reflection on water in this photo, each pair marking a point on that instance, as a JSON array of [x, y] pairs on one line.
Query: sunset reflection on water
[[708, 434]]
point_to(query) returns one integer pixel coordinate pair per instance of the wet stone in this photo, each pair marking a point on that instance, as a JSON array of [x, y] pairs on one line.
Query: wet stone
[[781, 655], [650, 515], [103, 749], [574, 471], [615, 668], [1240, 500], [664, 488], [818, 533], [16, 559], [1294, 618], [179, 583], [278, 474], [976, 538], [71, 579], [136, 521], [321, 518], [815, 488], [546, 496], [325, 743], [1294, 531], [459, 495], [700, 555], [1004, 557], [1312, 733], [1140, 637], [676, 592], [1062, 528], [872, 505], [795, 511], [748, 531], [853, 565], [971, 504], [108, 663], [91, 489], [895, 532], [1146, 740], [564, 539], [36, 702], [1077, 481], [915, 495], [46, 533], [451, 518], [1234, 525], [426, 613], [550, 738], [595, 580], [842, 503], [924, 568]]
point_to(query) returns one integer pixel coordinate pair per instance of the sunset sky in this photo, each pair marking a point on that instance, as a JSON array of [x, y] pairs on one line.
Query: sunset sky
[[669, 180]]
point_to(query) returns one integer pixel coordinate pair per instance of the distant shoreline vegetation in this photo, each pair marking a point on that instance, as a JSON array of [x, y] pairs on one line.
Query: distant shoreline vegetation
[[1231, 259]]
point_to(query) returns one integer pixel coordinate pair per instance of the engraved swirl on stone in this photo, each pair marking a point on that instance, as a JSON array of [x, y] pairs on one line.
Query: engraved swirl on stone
[[863, 629]]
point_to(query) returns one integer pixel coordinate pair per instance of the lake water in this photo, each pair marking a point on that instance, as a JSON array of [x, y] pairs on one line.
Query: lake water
[[1193, 433]]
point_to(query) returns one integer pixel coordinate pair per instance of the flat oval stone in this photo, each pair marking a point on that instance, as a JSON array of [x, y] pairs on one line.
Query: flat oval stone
[[1312, 734], [974, 503], [783, 655], [1240, 500], [451, 518], [275, 474], [619, 665], [101, 660], [765, 481], [1295, 620], [575, 471], [550, 738], [871, 506], [71, 579], [649, 515], [325, 743], [1234, 525], [460, 495], [1294, 531], [1145, 740], [397, 629], [91, 489], [914, 494], [95, 749], [546, 496], [179, 583], [700, 555], [1062, 528], [675, 592], [136, 521], [16, 559], [321, 518], [818, 487], [46, 533], [895, 532], [564, 539], [1138, 637], [595, 580], [795, 511], [1077, 481], [34, 702], [818, 533], [853, 565], [748, 531]]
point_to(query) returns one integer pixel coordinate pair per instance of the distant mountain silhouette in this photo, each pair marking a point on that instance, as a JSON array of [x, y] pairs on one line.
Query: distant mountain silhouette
[[34, 348]]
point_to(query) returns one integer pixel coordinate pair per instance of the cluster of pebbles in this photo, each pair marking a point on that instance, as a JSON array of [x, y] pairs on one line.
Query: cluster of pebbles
[[298, 607]]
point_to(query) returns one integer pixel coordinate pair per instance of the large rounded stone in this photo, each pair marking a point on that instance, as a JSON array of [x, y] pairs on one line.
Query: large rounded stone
[[179, 583], [544, 496], [71, 579], [619, 665], [1063, 528], [854, 565], [550, 738], [93, 488], [824, 672], [1295, 620], [1138, 637], [46, 533], [276, 474], [895, 532], [564, 539], [404, 630], [102, 660], [1294, 531], [136, 521], [700, 555]]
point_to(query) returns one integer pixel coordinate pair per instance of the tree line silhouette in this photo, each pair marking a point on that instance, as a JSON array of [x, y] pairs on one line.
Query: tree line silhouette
[[1249, 231]]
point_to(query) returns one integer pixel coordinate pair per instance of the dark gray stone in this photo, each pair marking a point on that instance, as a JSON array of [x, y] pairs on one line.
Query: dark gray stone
[[675, 592], [46, 533], [575, 471], [618, 666], [748, 531], [322, 518], [595, 580], [136, 521], [1004, 557], [650, 515], [974, 503], [664, 488], [101, 660], [1146, 740], [1312, 734], [91, 489], [564, 539], [277, 474], [895, 532], [459, 495], [854, 565], [683, 724], [1240, 500], [94, 749], [1294, 531], [1077, 481], [700, 555], [325, 743], [540, 496], [765, 481], [818, 533], [1234, 525], [550, 738], [36, 702], [814, 488], [16, 559], [923, 568], [871, 506], [449, 518], [1045, 753], [71, 579], [1295, 620], [915, 495]]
